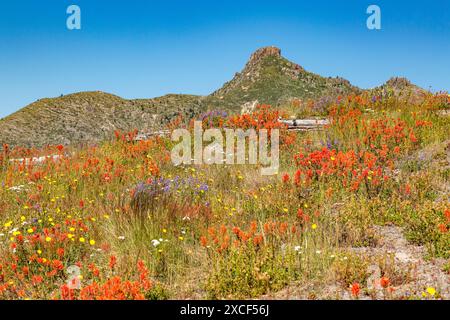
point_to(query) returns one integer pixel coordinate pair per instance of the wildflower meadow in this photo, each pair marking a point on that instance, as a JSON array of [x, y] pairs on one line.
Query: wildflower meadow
[[359, 209]]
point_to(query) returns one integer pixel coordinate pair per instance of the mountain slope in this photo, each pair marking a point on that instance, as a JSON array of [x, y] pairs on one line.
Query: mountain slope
[[91, 116]]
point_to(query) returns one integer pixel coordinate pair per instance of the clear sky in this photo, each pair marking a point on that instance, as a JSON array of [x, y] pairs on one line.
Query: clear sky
[[143, 49]]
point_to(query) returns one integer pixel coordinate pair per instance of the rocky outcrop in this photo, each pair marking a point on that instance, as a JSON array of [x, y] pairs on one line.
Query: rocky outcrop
[[260, 54], [249, 107], [398, 83]]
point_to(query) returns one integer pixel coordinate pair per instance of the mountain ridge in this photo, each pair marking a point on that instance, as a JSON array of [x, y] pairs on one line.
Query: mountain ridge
[[267, 78]]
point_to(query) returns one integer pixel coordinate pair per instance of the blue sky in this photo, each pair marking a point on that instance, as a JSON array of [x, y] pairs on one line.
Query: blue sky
[[139, 49]]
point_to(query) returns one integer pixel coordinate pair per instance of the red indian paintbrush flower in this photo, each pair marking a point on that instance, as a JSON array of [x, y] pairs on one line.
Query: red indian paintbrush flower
[[355, 288]]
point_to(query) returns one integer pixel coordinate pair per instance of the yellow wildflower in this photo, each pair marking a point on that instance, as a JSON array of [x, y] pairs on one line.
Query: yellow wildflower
[[431, 291]]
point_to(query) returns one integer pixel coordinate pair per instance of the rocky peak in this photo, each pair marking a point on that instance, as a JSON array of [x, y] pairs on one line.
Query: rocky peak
[[398, 82], [261, 53]]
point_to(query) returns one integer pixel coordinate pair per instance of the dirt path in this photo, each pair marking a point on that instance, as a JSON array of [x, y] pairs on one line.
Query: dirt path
[[419, 272], [411, 273]]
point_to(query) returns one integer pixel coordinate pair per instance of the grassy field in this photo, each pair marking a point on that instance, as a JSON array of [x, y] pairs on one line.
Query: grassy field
[[359, 210]]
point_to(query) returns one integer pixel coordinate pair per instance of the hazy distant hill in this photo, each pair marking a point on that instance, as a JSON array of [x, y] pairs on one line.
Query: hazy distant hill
[[267, 78]]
